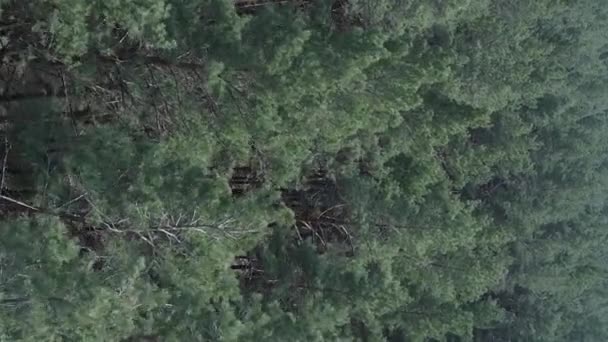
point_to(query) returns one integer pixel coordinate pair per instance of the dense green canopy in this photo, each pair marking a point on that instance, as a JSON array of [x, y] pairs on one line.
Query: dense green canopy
[[304, 170]]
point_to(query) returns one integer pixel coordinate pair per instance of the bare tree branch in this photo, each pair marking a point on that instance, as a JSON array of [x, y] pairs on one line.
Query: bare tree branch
[[4, 161], [6, 198]]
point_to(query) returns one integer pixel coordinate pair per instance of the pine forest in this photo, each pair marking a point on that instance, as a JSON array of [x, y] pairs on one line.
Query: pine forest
[[304, 170]]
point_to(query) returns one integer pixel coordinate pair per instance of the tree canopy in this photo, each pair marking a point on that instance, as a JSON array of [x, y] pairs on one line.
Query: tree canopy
[[329, 170]]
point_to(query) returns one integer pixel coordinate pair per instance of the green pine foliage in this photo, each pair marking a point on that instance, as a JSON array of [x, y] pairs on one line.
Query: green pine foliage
[[334, 170]]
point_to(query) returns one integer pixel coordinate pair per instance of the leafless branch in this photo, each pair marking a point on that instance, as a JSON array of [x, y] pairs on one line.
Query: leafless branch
[[314, 231], [4, 161], [330, 209], [6, 198], [71, 201], [298, 232]]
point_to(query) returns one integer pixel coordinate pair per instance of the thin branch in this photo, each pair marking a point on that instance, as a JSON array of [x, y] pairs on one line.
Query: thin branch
[[71, 201], [65, 93], [169, 234], [330, 209], [350, 237], [6, 198], [314, 231], [4, 161], [298, 232], [253, 4]]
